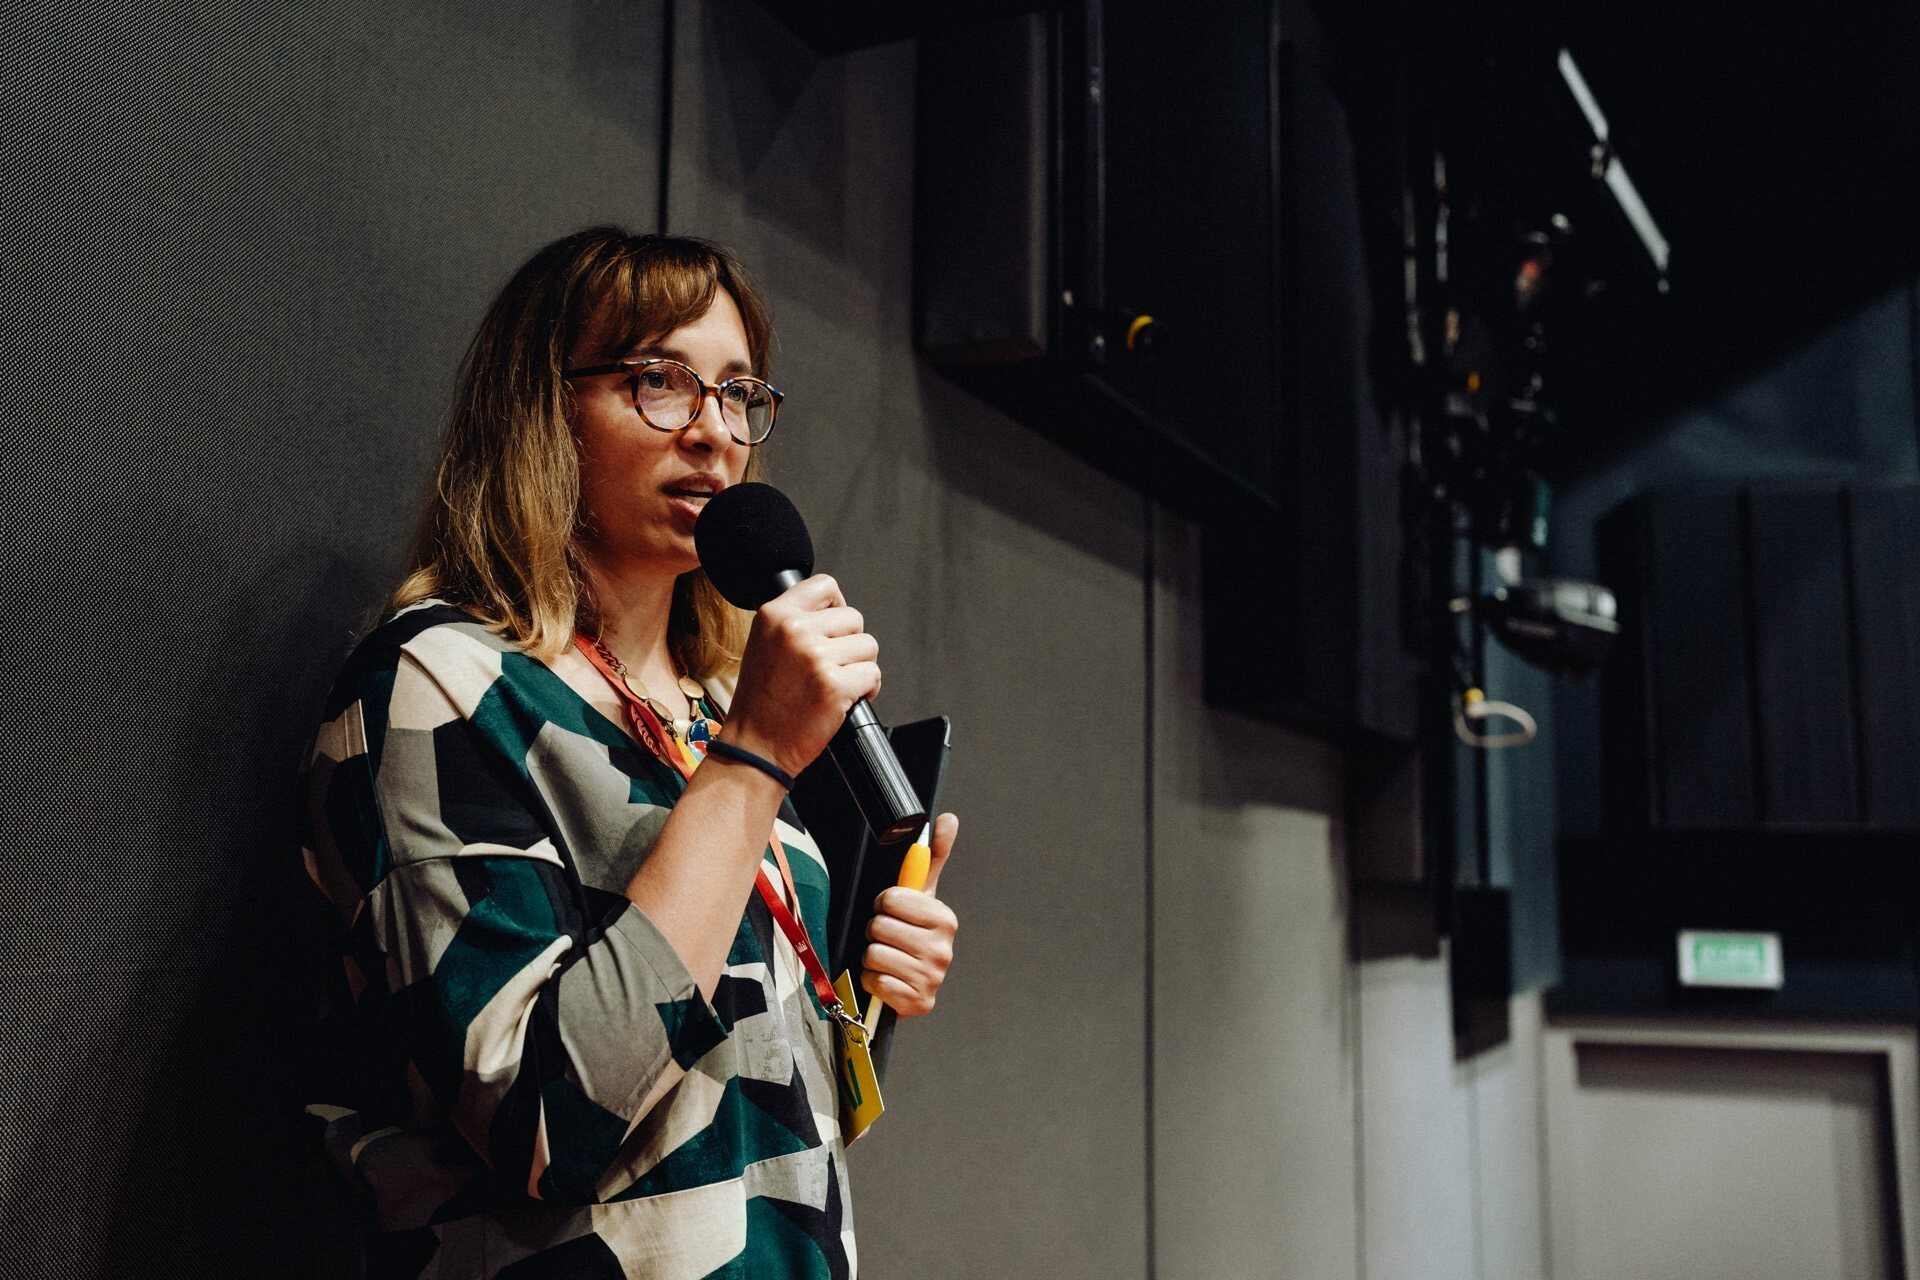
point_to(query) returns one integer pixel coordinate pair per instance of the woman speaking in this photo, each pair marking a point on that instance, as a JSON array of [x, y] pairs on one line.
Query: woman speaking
[[549, 802]]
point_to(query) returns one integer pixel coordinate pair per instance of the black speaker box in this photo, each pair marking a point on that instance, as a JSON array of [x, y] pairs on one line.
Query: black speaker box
[[1139, 237]]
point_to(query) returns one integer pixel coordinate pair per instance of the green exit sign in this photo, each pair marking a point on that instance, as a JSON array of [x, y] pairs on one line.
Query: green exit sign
[[1717, 958]]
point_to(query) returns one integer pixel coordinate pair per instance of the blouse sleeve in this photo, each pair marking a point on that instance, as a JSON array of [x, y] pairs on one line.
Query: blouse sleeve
[[541, 1017]]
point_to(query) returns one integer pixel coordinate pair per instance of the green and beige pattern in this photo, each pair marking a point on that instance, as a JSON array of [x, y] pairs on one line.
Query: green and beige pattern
[[527, 1081]]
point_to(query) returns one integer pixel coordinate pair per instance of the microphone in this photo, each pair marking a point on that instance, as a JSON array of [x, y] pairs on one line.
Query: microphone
[[754, 545]]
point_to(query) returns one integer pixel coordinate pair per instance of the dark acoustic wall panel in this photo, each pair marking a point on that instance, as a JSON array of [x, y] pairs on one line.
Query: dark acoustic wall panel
[[1625, 795], [1803, 669], [1770, 676], [1696, 624], [245, 248], [1885, 547]]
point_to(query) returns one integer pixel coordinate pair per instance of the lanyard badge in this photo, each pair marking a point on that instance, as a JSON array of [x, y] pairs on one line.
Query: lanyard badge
[[854, 1074]]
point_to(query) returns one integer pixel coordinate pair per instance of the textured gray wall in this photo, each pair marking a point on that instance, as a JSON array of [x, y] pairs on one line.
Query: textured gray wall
[[1005, 583], [244, 249], [246, 252]]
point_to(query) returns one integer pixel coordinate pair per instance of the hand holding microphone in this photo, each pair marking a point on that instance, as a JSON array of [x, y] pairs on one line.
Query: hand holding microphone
[[809, 666], [807, 661]]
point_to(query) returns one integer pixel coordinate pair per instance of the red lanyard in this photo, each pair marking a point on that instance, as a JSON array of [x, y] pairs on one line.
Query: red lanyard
[[653, 735], [796, 932], [647, 727]]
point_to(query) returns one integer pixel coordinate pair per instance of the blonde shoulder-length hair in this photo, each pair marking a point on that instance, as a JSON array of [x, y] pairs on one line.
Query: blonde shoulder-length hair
[[501, 534]]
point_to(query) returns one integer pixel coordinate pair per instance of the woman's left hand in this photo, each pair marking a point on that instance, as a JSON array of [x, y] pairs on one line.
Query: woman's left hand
[[911, 936]]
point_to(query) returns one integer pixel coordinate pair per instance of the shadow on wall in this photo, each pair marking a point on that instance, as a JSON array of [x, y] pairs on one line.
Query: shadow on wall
[[1008, 466], [785, 108], [222, 1175], [1223, 762], [1251, 763]]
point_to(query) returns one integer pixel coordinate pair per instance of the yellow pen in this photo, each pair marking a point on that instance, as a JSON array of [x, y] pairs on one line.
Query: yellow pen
[[913, 875]]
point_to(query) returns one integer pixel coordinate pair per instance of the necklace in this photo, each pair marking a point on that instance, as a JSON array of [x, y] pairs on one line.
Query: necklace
[[693, 727]]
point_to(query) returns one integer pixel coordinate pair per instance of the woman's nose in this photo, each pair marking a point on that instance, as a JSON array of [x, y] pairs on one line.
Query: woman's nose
[[708, 430]]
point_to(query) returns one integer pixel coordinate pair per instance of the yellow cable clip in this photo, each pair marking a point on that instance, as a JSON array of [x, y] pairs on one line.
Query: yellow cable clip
[[1133, 330]]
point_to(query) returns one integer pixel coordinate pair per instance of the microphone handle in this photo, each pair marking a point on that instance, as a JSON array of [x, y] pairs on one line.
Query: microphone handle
[[868, 765], [873, 774]]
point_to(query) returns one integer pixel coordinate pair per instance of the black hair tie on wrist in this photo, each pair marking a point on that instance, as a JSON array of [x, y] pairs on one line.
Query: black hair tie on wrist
[[727, 751]]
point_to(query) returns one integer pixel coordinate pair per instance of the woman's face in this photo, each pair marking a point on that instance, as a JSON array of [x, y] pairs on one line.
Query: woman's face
[[643, 489]]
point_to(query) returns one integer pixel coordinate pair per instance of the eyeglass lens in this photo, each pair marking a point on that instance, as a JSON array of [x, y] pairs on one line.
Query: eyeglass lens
[[669, 395]]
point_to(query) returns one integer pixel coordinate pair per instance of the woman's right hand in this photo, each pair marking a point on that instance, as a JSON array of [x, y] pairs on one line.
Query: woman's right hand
[[807, 661]]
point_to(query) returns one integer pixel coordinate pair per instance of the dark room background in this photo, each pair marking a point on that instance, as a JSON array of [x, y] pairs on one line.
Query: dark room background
[[244, 250]]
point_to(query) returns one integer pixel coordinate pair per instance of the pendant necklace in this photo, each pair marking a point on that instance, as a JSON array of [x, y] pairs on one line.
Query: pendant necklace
[[694, 728]]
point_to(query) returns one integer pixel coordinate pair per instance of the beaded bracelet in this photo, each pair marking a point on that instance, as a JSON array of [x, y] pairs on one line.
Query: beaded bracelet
[[727, 751]]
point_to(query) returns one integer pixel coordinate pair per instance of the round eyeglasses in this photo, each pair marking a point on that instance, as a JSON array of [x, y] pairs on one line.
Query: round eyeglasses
[[668, 396]]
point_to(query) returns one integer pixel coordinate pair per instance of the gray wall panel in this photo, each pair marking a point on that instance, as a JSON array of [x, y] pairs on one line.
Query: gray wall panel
[[1255, 1121], [246, 248], [1015, 1140], [1418, 1186], [1510, 1147]]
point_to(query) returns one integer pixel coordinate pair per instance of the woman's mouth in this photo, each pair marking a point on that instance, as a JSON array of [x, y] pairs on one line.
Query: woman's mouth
[[689, 497]]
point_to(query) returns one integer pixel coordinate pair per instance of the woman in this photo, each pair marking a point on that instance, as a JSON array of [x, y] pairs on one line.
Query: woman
[[582, 1040]]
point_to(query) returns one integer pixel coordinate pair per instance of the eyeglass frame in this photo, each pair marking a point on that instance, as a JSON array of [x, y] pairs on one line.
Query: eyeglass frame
[[632, 367]]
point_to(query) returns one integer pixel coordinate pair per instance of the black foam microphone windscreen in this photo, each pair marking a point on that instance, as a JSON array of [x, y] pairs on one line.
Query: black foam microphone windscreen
[[747, 536]]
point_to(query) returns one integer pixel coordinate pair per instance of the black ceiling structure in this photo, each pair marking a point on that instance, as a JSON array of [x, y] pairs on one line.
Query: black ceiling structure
[[1777, 146]]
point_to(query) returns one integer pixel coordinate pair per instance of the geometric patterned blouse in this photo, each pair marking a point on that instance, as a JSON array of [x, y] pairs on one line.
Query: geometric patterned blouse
[[528, 1081]]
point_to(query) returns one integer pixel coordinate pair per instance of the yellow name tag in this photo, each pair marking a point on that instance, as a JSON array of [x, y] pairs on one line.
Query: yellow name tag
[[860, 1103]]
